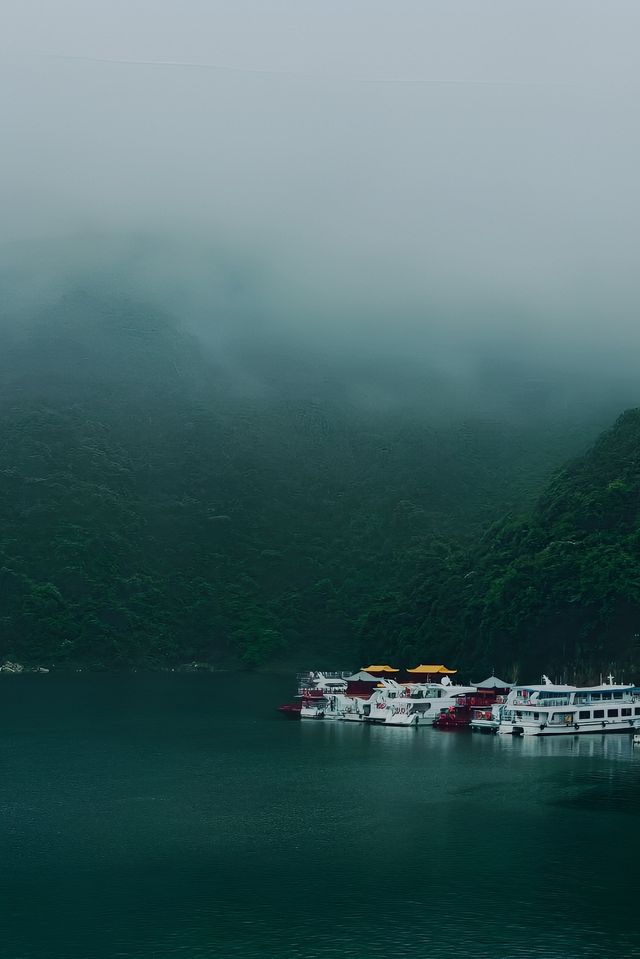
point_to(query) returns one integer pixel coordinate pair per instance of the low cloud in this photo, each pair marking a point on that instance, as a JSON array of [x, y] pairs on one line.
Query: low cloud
[[416, 187]]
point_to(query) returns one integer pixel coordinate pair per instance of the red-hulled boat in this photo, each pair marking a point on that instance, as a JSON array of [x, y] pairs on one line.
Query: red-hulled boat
[[313, 688], [459, 715], [291, 710]]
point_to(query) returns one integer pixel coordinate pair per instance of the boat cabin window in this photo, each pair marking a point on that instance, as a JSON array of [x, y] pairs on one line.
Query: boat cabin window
[[637, 711], [584, 714], [606, 696], [598, 713], [612, 712], [564, 719], [625, 712]]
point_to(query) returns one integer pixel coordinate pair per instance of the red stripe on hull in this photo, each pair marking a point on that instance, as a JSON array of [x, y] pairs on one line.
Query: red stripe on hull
[[290, 710]]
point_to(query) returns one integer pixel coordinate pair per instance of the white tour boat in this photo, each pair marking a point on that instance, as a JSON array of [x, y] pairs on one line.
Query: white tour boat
[[394, 704], [328, 706], [551, 709], [316, 697]]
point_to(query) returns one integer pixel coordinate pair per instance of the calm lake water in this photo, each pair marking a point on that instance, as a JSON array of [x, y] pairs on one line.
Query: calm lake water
[[162, 816]]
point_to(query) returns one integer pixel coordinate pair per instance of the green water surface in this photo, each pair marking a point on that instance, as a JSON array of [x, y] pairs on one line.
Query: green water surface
[[144, 817]]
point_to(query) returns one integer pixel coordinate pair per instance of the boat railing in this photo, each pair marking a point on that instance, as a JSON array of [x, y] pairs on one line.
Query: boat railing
[[541, 701], [474, 701], [312, 674]]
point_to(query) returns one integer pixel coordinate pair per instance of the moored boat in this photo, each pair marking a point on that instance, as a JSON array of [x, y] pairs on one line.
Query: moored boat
[[290, 710], [412, 704], [552, 709], [378, 694], [458, 715], [316, 696]]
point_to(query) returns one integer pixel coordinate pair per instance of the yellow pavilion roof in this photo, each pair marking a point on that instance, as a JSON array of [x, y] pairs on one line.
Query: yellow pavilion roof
[[422, 668], [380, 669]]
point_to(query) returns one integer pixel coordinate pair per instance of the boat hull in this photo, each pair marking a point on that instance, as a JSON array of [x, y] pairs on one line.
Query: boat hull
[[394, 721], [486, 726], [576, 729], [452, 725], [290, 711]]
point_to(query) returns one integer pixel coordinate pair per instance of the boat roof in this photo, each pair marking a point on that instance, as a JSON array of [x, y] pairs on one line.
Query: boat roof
[[362, 677], [422, 668], [493, 682], [391, 684], [379, 669], [599, 687]]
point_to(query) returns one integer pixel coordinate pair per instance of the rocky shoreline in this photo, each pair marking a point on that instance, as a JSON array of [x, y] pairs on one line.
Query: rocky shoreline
[[9, 667]]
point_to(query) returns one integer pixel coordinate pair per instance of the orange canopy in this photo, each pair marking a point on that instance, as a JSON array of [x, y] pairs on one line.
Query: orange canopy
[[380, 669], [431, 669]]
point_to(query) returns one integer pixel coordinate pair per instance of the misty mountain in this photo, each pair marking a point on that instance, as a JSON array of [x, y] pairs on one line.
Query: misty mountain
[[160, 502], [289, 313], [555, 590]]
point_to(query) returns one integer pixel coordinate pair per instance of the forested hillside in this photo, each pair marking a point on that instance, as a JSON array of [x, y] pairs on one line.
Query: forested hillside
[[556, 590], [155, 509]]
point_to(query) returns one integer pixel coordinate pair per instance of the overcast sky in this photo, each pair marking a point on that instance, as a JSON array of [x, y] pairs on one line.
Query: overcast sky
[[476, 160], [474, 39]]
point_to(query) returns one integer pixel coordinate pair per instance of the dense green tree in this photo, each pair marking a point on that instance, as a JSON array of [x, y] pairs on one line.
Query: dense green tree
[[160, 502], [558, 590]]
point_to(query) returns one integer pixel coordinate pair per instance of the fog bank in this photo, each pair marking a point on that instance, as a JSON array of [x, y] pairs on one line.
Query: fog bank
[[450, 185]]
